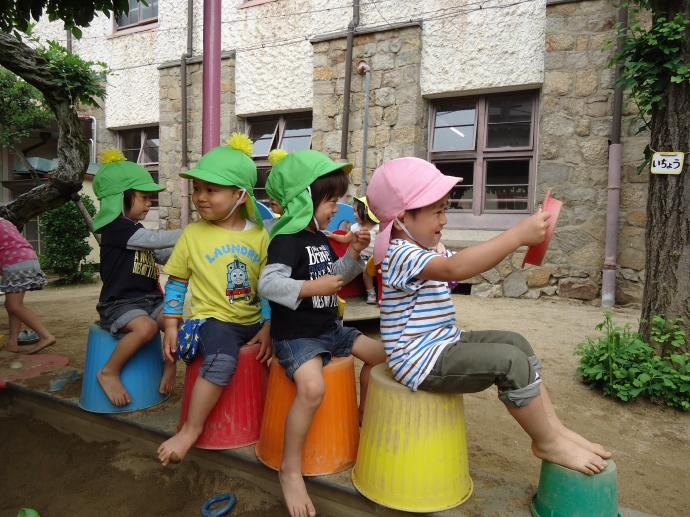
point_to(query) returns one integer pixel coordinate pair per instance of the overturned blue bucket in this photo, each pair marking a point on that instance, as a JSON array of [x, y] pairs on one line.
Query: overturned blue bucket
[[141, 376]]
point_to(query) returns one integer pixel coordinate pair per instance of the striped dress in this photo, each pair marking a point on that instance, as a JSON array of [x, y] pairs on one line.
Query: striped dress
[[417, 316]]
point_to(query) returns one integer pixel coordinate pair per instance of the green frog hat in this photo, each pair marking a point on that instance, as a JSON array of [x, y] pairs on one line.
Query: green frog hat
[[288, 183], [114, 177], [230, 165]]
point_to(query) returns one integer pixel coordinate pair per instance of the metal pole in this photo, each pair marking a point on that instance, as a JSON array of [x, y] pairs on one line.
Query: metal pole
[[363, 68], [210, 132]]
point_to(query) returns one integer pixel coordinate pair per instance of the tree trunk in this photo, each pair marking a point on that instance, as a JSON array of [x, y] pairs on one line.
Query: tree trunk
[[667, 239], [72, 150]]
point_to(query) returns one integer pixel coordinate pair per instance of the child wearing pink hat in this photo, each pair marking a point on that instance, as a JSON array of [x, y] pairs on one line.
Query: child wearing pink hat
[[425, 349]]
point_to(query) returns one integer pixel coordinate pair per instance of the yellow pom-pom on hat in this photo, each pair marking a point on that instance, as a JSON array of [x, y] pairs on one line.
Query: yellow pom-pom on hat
[[241, 142], [112, 155], [276, 155]]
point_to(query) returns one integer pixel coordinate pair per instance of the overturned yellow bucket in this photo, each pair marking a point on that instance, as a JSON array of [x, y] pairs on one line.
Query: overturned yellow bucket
[[412, 452]]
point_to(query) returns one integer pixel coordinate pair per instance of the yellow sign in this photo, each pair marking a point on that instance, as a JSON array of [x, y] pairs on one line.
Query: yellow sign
[[667, 163]]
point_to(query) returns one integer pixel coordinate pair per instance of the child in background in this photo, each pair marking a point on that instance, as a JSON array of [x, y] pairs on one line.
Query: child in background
[[131, 302], [366, 220], [20, 273], [221, 256], [301, 280], [425, 349]]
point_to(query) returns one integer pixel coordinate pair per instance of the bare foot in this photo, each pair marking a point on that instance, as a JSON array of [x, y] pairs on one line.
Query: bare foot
[[296, 498], [584, 442], [570, 455], [14, 348], [114, 389], [169, 380], [174, 449], [43, 343]]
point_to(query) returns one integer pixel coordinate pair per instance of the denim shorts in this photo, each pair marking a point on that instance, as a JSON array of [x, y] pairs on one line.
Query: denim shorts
[[293, 353], [115, 315], [219, 344]]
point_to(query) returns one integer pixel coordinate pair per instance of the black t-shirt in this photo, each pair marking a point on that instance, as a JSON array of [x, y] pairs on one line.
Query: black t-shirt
[[310, 256], [125, 273]]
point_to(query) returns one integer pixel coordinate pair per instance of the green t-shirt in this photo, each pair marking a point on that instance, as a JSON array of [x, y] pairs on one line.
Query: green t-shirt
[[223, 268]]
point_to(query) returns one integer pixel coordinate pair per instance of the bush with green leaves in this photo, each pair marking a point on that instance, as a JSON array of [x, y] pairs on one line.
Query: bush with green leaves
[[63, 238], [623, 365]]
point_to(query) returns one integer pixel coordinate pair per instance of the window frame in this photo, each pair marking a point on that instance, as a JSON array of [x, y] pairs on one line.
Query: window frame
[[133, 27], [478, 217], [152, 167], [261, 161]]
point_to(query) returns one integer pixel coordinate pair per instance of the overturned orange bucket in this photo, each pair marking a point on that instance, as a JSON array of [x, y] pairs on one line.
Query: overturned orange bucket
[[331, 444]]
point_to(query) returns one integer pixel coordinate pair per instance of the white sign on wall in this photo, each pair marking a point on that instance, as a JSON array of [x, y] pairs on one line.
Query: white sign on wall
[[667, 163]]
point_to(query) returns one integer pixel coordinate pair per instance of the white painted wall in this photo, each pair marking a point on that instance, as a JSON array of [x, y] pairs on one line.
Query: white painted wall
[[464, 49]]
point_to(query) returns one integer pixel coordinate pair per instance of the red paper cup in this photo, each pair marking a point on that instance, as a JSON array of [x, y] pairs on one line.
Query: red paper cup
[[535, 254]]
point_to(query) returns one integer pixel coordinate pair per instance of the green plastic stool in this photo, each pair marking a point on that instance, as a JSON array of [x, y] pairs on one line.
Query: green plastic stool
[[27, 512], [567, 493]]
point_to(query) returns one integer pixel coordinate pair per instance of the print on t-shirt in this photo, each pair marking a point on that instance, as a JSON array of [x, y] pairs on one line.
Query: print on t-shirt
[[320, 265], [238, 281], [145, 264]]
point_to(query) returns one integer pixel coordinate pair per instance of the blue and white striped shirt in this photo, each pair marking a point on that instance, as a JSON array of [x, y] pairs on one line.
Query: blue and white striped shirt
[[417, 316]]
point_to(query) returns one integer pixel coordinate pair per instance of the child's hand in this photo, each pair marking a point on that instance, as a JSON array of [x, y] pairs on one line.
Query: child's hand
[[328, 285], [170, 343], [263, 337], [360, 240], [328, 234], [532, 231]]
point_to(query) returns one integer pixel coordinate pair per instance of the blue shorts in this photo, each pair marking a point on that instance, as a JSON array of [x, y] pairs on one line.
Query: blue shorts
[[293, 353], [219, 344]]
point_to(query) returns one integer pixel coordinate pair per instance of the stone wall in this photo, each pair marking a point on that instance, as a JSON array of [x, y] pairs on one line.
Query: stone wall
[[574, 132], [397, 113], [171, 129]]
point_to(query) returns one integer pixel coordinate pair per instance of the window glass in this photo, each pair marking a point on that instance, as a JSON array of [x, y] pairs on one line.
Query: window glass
[[131, 144], [507, 185], [262, 134], [461, 195], [151, 146], [454, 127], [509, 123], [297, 135], [138, 12]]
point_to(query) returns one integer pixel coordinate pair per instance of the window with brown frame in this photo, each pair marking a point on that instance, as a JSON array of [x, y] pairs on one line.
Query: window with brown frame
[[290, 132], [488, 141], [141, 146], [138, 14]]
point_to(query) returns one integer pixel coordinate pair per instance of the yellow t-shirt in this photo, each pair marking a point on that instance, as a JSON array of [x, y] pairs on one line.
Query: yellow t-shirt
[[223, 268]]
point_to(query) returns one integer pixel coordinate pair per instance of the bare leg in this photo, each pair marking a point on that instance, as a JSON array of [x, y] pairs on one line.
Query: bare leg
[[368, 281], [14, 303], [372, 353], [13, 340], [311, 388], [548, 444], [169, 379], [139, 332], [205, 394], [569, 434]]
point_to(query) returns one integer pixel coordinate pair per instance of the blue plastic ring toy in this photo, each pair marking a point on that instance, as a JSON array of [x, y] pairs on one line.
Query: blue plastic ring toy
[[206, 509]]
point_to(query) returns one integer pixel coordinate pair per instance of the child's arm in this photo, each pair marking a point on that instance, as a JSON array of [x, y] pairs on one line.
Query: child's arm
[[145, 240], [173, 307], [339, 238], [276, 285], [482, 257]]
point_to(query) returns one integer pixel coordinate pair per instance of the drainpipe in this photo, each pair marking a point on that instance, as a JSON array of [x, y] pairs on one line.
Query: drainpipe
[[184, 189], [93, 138], [348, 78], [210, 128], [608, 289], [364, 68]]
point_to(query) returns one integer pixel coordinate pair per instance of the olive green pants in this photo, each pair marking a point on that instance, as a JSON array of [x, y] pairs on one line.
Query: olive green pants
[[483, 358]]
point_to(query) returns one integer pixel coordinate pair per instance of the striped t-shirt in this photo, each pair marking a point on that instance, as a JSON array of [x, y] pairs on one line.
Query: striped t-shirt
[[417, 316]]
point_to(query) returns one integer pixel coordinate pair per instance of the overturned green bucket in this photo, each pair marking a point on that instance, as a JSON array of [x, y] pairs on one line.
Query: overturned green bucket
[[566, 493]]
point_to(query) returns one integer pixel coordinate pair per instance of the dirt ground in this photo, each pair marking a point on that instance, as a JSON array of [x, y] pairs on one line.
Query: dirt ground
[[650, 443]]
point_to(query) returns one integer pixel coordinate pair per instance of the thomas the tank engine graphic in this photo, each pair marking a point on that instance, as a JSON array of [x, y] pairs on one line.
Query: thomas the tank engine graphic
[[238, 281]]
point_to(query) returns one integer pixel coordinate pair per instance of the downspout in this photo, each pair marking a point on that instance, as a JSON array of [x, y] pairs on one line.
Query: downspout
[[608, 289], [93, 138], [347, 87], [365, 69], [210, 117], [184, 188]]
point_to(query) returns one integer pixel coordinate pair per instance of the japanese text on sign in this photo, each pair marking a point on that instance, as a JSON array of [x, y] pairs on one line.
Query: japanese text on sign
[[667, 163]]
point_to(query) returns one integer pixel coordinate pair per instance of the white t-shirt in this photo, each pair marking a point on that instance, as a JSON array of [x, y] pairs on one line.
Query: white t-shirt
[[417, 316], [369, 250]]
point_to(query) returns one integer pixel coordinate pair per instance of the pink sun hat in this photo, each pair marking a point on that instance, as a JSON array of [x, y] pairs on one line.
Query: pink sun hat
[[399, 185]]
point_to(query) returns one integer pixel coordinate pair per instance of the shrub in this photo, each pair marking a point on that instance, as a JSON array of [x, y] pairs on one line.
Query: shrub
[[63, 237], [623, 365]]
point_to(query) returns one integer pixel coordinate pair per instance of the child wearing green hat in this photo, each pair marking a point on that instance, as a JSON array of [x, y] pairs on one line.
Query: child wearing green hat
[[365, 220], [131, 301], [300, 280], [221, 256]]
